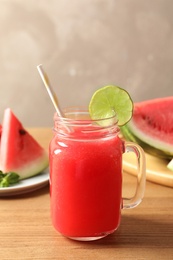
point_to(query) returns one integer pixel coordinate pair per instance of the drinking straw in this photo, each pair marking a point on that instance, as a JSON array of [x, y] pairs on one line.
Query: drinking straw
[[50, 91]]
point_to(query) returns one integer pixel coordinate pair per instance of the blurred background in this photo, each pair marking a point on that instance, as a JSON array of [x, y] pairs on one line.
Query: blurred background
[[83, 45]]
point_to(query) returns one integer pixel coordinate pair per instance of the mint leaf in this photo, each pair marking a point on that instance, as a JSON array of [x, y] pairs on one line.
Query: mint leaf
[[6, 179]]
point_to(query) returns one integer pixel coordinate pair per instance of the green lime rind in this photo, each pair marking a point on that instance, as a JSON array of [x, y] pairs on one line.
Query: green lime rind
[[109, 101]]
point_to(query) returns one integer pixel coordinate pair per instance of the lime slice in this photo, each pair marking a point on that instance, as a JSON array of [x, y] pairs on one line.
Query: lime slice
[[110, 101]]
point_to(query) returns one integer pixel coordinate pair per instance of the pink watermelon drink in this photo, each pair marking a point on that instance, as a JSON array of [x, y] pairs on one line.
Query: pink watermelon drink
[[85, 179], [86, 166]]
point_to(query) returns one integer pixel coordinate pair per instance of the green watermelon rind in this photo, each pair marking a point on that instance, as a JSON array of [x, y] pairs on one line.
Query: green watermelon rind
[[33, 168], [150, 140], [151, 149], [19, 151]]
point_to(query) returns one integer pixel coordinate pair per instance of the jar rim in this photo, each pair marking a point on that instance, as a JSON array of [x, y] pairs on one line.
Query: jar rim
[[79, 122], [74, 114]]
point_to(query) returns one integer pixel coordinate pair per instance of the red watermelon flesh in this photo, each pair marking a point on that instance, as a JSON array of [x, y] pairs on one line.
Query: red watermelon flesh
[[152, 122], [156, 118], [19, 151]]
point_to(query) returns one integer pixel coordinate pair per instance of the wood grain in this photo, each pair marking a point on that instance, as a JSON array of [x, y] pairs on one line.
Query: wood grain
[[146, 232]]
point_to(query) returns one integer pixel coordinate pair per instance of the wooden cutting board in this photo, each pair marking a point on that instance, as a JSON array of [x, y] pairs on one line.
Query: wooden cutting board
[[156, 170]]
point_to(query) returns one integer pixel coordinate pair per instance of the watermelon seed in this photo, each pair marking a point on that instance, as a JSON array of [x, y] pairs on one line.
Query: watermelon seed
[[22, 132]]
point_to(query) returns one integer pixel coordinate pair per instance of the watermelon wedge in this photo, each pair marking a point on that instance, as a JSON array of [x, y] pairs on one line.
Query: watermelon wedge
[[152, 126], [19, 151]]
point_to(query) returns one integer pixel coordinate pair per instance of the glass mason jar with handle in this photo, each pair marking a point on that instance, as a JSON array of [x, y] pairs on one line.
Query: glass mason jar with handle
[[86, 175]]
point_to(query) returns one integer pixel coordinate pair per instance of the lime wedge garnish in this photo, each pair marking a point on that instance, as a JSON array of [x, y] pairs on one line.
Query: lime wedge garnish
[[110, 101]]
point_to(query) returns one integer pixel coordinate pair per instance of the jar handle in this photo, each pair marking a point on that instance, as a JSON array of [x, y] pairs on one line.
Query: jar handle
[[129, 203]]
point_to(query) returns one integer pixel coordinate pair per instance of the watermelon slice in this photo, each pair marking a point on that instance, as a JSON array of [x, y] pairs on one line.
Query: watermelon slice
[[152, 126], [19, 151]]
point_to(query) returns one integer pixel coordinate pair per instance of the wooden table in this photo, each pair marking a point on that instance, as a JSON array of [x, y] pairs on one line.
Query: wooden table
[[146, 232]]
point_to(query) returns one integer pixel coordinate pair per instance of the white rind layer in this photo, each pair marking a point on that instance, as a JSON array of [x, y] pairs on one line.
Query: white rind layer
[[158, 144], [30, 169]]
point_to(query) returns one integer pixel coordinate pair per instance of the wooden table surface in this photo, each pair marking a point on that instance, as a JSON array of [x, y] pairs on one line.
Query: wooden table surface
[[146, 232]]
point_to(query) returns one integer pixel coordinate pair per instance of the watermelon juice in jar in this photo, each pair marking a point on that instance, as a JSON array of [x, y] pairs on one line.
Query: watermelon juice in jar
[[86, 176]]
